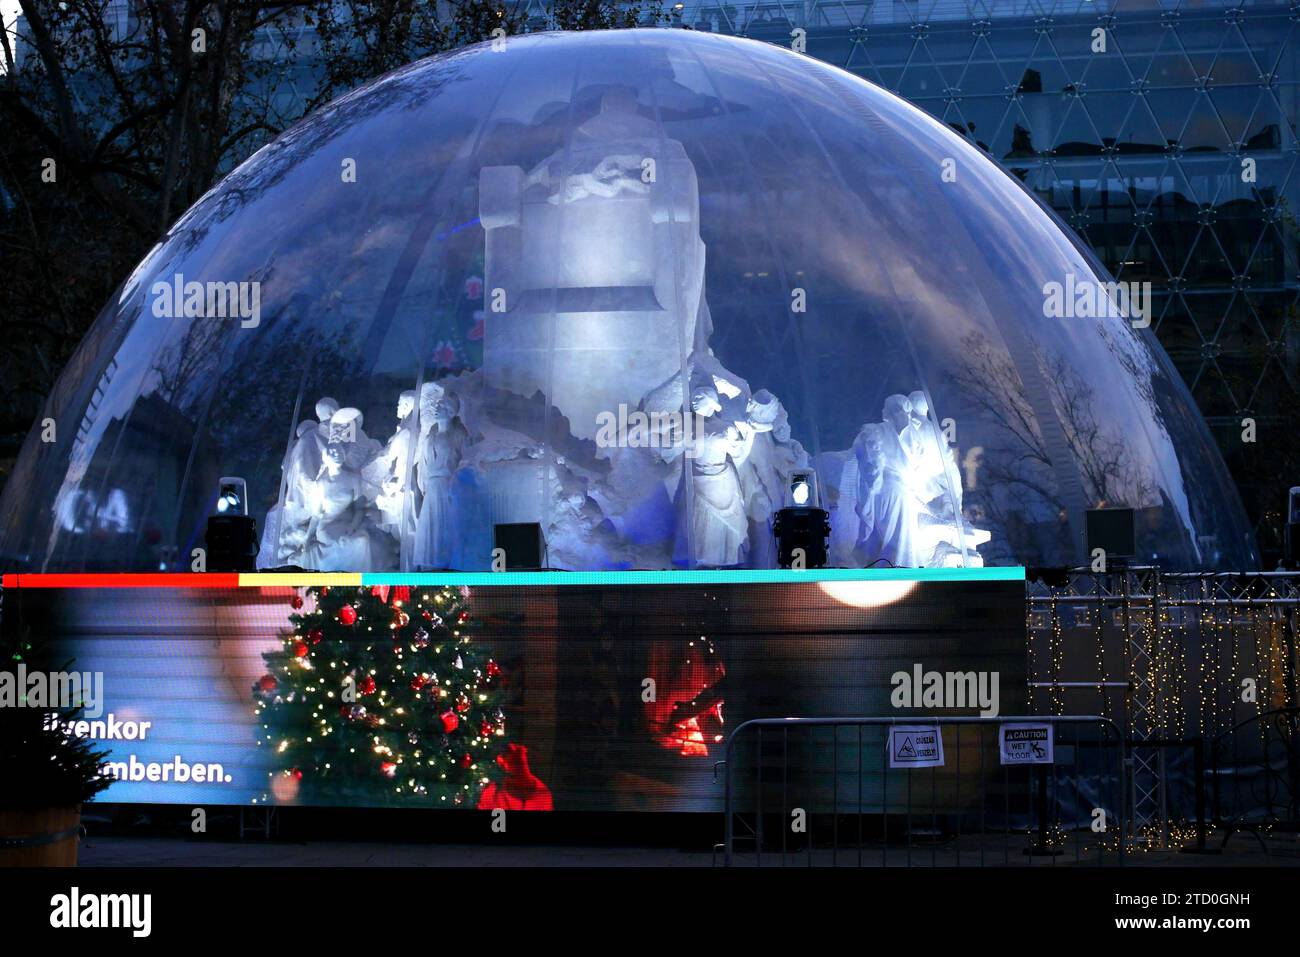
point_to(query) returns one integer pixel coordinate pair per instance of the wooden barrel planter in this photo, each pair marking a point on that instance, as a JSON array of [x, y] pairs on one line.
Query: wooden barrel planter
[[43, 838]]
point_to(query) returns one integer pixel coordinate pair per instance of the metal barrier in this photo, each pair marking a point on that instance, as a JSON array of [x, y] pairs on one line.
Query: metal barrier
[[1171, 657], [846, 805], [1264, 772]]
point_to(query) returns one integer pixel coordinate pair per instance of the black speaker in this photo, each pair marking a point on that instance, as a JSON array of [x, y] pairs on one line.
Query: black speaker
[[1112, 530], [522, 542], [806, 528]]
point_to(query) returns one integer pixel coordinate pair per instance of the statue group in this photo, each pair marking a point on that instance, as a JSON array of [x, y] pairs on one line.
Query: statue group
[[349, 502], [904, 492], [596, 270]]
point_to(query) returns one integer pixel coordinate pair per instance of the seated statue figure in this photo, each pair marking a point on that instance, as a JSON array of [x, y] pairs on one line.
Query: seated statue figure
[[344, 533]]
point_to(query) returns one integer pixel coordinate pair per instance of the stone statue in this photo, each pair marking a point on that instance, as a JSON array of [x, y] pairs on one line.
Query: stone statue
[[303, 462], [886, 503], [933, 473], [765, 473], [390, 471], [596, 247], [284, 533], [343, 533], [719, 525], [438, 453], [944, 537]]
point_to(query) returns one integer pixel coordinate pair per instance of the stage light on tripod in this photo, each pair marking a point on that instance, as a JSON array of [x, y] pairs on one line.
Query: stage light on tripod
[[231, 538]]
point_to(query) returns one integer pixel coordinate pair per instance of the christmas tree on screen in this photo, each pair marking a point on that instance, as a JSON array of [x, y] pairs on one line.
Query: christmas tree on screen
[[378, 696]]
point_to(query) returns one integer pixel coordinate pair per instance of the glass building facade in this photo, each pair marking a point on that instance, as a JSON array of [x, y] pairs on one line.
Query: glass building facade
[[1164, 133]]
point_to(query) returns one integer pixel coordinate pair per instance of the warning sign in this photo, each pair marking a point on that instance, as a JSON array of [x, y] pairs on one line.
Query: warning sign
[[1025, 743], [915, 746]]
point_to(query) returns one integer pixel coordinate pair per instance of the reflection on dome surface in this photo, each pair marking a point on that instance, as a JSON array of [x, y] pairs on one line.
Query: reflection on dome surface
[[624, 285]]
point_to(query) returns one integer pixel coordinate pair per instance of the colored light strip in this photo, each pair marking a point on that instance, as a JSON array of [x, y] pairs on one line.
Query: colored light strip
[[125, 580], [301, 579], [776, 576]]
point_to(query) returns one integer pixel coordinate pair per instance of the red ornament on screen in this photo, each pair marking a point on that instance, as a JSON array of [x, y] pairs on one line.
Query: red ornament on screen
[[267, 683], [449, 721], [315, 635], [348, 615], [367, 685], [299, 649], [519, 789]]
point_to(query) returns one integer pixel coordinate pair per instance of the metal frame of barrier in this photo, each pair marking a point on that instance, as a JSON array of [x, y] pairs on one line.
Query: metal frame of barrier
[[1165, 654], [1047, 840], [1281, 790]]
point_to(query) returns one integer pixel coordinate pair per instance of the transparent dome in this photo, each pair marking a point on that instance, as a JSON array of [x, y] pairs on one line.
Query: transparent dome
[[643, 288]]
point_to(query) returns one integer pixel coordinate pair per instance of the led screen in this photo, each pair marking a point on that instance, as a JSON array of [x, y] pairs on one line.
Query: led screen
[[535, 696]]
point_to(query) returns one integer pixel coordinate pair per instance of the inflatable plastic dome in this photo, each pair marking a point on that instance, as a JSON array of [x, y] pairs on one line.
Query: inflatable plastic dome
[[644, 289]]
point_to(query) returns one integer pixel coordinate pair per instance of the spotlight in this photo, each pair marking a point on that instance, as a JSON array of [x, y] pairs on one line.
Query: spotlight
[[231, 538], [803, 490]]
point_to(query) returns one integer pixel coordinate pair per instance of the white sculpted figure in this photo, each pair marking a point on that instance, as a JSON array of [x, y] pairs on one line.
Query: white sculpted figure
[[287, 522], [719, 526], [303, 462], [438, 453], [932, 479], [343, 533], [886, 504], [944, 537], [766, 472], [587, 249], [390, 469]]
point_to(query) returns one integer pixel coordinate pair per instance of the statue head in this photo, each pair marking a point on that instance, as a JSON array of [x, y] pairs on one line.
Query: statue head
[[332, 459], [446, 410], [920, 407], [704, 400], [325, 409], [897, 413], [405, 404], [430, 395]]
